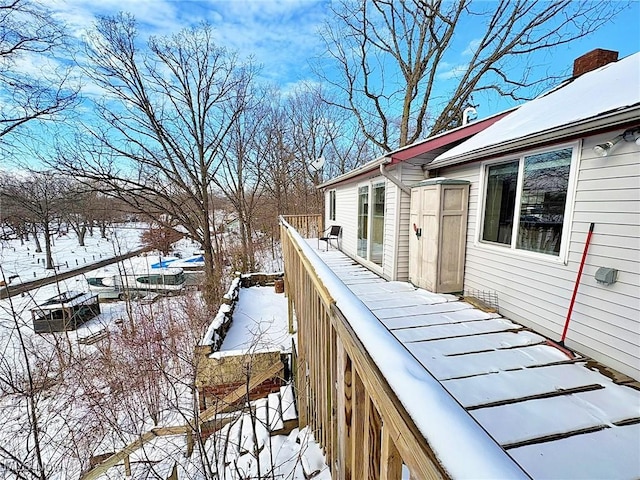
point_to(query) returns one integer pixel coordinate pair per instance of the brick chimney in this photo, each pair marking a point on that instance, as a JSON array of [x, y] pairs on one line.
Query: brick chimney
[[594, 59]]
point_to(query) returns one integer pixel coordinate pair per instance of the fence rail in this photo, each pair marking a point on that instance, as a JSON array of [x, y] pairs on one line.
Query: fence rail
[[309, 226], [362, 427]]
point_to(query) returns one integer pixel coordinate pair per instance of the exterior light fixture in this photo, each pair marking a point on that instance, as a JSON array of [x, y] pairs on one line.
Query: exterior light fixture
[[603, 149], [632, 135], [629, 135]]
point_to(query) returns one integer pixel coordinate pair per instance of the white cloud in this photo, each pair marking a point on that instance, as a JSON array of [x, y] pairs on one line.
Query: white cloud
[[154, 16], [452, 71], [471, 47], [279, 35]]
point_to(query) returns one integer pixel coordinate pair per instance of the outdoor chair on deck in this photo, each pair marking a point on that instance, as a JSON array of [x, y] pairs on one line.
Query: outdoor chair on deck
[[331, 233]]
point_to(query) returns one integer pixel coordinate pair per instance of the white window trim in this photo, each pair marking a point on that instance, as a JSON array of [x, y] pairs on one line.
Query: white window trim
[[371, 185], [510, 250]]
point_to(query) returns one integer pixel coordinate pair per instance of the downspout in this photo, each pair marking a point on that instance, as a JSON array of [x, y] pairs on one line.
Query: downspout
[[393, 179]]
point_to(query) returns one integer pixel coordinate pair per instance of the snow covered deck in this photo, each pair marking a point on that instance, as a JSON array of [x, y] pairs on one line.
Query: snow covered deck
[[554, 416]]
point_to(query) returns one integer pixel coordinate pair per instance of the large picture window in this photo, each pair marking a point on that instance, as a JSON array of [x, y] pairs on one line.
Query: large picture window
[[526, 201]]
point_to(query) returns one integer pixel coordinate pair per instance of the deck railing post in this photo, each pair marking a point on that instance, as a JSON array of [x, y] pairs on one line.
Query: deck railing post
[[358, 445], [391, 462]]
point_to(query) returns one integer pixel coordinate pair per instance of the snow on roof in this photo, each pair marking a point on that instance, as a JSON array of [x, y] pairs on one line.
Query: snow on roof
[[608, 89], [65, 299]]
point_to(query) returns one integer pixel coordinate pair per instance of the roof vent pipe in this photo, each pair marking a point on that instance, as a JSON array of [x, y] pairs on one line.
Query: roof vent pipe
[[393, 179], [465, 114]]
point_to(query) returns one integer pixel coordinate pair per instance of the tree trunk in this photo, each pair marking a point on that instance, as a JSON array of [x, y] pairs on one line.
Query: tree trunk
[[82, 232], [36, 239], [47, 247]]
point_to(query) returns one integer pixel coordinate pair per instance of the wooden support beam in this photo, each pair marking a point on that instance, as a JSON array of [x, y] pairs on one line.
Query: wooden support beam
[[411, 444], [373, 427], [289, 305], [342, 466]]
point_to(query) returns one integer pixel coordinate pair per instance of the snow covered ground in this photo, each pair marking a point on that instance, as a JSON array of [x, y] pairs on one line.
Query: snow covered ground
[[80, 413], [23, 261]]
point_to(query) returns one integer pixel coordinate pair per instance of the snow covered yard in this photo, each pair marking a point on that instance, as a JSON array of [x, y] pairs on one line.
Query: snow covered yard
[[98, 388], [84, 391], [88, 399], [21, 263]]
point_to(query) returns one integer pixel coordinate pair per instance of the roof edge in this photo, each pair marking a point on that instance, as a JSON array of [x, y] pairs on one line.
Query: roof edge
[[610, 120], [393, 156]]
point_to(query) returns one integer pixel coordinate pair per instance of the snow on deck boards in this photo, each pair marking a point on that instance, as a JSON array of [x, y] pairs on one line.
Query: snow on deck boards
[[393, 300], [553, 415], [603, 407], [608, 453], [478, 343], [472, 326], [500, 387], [403, 312], [445, 368]]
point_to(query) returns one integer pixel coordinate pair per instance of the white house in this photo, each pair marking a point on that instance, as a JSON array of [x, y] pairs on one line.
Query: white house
[[372, 202], [538, 177]]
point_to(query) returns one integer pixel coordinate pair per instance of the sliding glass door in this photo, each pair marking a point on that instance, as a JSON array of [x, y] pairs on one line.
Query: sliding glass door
[[371, 233]]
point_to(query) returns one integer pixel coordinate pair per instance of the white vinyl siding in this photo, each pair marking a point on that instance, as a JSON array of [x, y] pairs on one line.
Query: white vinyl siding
[[605, 323], [410, 175], [396, 220], [346, 216], [390, 231]]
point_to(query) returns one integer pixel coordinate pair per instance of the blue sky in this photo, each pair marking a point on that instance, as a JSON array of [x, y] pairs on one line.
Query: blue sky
[[282, 35]]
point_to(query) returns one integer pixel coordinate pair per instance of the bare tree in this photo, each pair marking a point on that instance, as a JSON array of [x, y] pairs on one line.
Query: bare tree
[[394, 57], [27, 29], [40, 198], [318, 129], [242, 174], [167, 111], [160, 237]]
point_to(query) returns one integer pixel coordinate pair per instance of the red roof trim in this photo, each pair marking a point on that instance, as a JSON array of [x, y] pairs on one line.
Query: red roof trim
[[446, 139]]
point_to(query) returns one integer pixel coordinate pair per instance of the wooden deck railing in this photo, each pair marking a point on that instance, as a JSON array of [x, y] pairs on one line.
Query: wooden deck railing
[[363, 429], [309, 226]]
